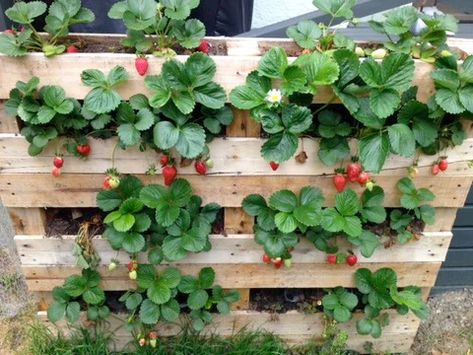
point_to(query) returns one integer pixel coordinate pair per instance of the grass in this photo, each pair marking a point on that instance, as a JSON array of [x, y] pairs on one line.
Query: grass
[[84, 341]]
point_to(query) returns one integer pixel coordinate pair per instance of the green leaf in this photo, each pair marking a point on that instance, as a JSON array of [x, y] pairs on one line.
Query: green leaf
[[179, 9], [206, 277], [336, 8], [133, 301], [171, 310], [94, 296], [75, 285], [133, 242], [254, 204], [197, 299], [211, 95], [374, 150], [283, 200], [252, 94], [347, 203], [285, 222], [25, 12], [191, 140], [333, 150], [56, 311], [367, 241], [101, 100], [293, 80], [158, 293], [149, 312], [372, 201], [384, 102], [280, 147], [73, 312], [188, 33], [341, 314], [166, 135], [465, 97], [402, 140], [170, 277], [273, 63], [305, 33], [320, 69], [364, 326], [124, 223], [400, 20]]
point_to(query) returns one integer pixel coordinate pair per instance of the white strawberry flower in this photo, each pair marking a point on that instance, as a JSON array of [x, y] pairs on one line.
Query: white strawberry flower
[[274, 96]]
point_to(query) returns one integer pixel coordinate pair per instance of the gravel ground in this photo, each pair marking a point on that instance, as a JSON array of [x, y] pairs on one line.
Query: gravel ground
[[449, 330]]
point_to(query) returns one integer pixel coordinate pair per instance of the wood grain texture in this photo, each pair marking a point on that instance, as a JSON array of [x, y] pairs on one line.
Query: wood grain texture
[[294, 327], [80, 190], [65, 70], [28, 220], [232, 157], [258, 275], [232, 250]]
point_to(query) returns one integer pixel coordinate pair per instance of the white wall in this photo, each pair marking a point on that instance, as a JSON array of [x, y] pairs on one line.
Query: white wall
[[266, 12]]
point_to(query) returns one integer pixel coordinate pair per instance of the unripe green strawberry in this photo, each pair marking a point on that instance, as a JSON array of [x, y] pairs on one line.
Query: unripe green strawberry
[[445, 53], [210, 163], [380, 53], [132, 275], [288, 263], [114, 182], [369, 185], [153, 343], [112, 266], [359, 52]]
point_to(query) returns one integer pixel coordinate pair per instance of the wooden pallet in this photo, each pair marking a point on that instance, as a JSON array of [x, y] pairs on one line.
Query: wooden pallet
[[27, 188]]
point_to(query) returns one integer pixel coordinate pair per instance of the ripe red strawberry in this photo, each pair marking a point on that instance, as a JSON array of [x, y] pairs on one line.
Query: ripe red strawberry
[[340, 182], [204, 47], [332, 259], [153, 335], [200, 167], [277, 263], [169, 174], [266, 259], [106, 183], [435, 169], [363, 178], [274, 165], [83, 149], [10, 31], [58, 162], [443, 164], [353, 171], [141, 65], [352, 260], [164, 160], [56, 171], [72, 49], [132, 265]]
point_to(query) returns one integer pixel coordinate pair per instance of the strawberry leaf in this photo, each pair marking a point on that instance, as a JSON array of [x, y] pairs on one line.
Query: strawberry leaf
[[305, 33]]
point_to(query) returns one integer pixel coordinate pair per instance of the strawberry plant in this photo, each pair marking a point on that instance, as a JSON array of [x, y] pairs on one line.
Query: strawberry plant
[[312, 36], [339, 304], [412, 32], [155, 299], [380, 292], [78, 289], [158, 26], [279, 221], [168, 223], [61, 15]]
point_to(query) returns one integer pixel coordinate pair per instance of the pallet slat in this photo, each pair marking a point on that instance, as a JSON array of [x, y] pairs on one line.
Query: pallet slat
[[80, 190], [294, 327], [230, 73], [232, 156], [235, 249]]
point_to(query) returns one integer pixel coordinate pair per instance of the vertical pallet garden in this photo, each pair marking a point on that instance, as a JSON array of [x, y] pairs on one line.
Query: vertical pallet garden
[[28, 190]]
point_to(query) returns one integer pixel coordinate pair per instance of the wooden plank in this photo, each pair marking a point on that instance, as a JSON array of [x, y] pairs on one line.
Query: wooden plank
[[244, 302], [294, 327], [232, 250], [232, 157], [237, 221], [46, 277], [444, 220], [80, 190], [28, 220], [243, 125], [65, 70], [7, 124]]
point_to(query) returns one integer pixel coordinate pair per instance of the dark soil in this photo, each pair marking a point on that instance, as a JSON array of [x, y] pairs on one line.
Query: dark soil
[[67, 221], [104, 44], [283, 300]]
